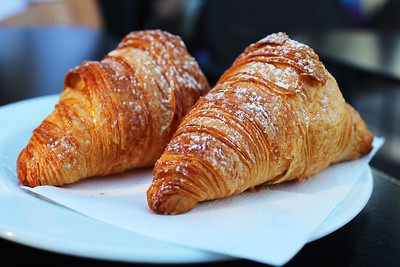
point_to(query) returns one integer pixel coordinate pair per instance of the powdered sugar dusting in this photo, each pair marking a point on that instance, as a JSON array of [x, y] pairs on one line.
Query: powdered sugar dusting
[[278, 49]]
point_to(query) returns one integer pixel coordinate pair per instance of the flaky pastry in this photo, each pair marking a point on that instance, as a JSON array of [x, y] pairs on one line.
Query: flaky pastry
[[276, 115], [115, 114]]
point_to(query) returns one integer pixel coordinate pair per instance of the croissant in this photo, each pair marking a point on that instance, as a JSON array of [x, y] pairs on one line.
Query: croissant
[[115, 114], [276, 115]]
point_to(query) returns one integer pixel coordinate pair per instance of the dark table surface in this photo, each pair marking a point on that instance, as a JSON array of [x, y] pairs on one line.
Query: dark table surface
[[33, 62]]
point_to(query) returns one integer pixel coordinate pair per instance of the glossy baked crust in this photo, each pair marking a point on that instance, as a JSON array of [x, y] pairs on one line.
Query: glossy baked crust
[[115, 114], [276, 115]]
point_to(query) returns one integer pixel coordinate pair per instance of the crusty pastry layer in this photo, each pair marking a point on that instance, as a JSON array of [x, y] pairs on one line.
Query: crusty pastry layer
[[276, 115], [115, 114]]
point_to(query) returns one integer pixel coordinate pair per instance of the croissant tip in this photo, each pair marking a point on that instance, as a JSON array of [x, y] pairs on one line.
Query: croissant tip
[[368, 139], [21, 168], [24, 171], [170, 204]]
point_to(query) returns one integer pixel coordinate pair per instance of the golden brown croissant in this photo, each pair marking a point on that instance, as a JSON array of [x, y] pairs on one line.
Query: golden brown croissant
[[276, 115], [115, 114]]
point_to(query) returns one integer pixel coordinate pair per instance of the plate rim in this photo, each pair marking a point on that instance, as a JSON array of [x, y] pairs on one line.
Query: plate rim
[[366, 179]]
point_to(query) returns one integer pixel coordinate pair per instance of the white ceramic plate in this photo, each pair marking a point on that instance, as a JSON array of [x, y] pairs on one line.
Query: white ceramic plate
[[35, 222]]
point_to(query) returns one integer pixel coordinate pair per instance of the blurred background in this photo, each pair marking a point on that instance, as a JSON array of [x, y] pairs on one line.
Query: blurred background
[[357, 40]]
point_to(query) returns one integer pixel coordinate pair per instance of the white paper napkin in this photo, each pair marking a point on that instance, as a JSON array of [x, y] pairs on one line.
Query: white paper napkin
[[268, 226]]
